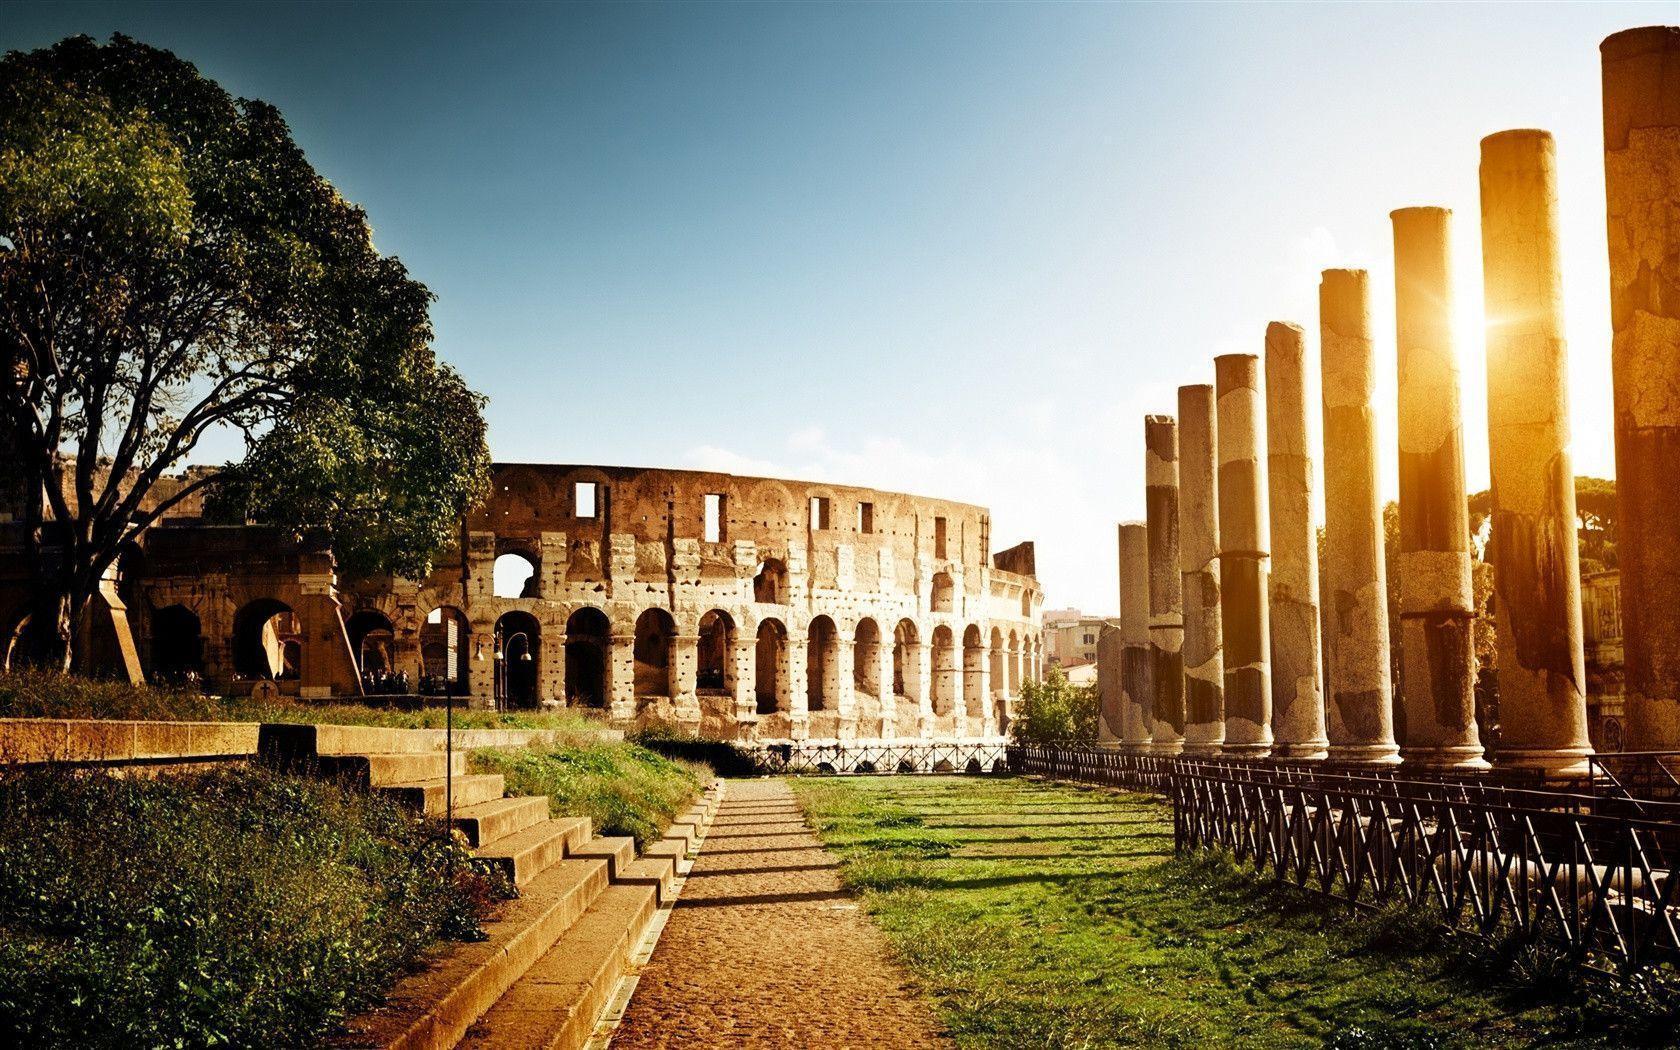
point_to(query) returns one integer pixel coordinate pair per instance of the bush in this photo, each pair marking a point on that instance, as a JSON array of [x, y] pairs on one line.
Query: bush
[[723, 757], [623, 788], [1055, 711], [239, 907]]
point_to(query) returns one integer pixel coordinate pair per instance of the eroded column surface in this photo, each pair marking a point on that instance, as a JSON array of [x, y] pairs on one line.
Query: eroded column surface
[[1198, 559], [1166, 609], [1109, 702], [1297, 675], [1244, 538], [1359, 722], [1437, 608], [1536, 564], [1137, 714], [1642, 187]]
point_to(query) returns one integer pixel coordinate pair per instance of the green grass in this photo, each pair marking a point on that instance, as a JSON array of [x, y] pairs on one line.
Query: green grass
[[623, 788], [233, 908], [39, 694], [1053, 916]]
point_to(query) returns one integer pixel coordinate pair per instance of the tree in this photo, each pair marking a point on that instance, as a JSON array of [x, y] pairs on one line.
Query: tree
[[1055, 711], [171, 267]]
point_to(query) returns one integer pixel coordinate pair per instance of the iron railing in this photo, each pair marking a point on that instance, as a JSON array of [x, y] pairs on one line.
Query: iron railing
[[908, 757]]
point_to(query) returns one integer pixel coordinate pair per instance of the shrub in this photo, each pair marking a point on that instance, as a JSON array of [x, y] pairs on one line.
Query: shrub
[[1055, 711], [623, 788], [238, 907]]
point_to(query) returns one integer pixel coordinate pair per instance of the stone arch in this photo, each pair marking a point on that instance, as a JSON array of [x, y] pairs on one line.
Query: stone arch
[[715, 659], [866, 658], [770, 671], [445, 653], [822, 665], [942, 597], [1014, 663], [907, 660], [1026, 603], [518, 650], [770, 582], [771, 505], [973, 669], [514, 575], [372, 639], [267, 641], [945, 670], [177, 645], [588, 635], [655, 643], [1000, 677]]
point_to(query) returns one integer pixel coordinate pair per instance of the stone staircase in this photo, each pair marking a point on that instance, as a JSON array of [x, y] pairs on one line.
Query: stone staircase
[[553, 957]]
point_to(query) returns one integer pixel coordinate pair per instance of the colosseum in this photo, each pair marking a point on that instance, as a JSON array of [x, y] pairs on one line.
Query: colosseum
[[738, 607]]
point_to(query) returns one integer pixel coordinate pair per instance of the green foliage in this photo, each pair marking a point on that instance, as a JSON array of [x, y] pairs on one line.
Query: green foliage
[[623, 788], [235, 908], [1055, 711], [173, 266]]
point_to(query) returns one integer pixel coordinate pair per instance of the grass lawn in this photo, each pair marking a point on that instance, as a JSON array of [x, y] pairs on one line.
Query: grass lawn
[[1051, 916]]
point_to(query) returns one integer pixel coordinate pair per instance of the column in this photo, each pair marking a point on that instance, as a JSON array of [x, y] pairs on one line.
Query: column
[[1198, 559], [845, 701], [1244, 535], [685, 661], [1360, 722], [1437, 608], [1166, 609], [1137, 716], [744, 655], [1108, 688], [1292, 596], [922, 688], [889, 696], [1642, 186], [621, 675], [798, 703], [1536, 563]]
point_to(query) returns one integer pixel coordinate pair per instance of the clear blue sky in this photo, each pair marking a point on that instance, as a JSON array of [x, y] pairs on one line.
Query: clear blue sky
[[958, 250]]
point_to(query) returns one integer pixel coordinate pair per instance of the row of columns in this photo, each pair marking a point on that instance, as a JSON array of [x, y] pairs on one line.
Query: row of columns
[[1226, 567]]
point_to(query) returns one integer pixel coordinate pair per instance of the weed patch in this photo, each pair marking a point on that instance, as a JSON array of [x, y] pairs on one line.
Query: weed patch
[[623, 788]]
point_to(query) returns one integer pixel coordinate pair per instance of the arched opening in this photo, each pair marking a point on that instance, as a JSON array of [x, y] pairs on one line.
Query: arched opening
[[1001, 715], [944, 594], [822, 665], [1000, 677], [974, 664], [267, 641], [945, 670], [587, 636], [715, 660], [443, 652], [770, 672], [177, 647], [654, 633], [1026, 604], [518, 647], [372, 638], [907, 660], [514, 576], [1014, 664], [866, 658], [770, 583]]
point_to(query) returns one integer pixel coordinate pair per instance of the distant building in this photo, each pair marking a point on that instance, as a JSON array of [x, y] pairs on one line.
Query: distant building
[[1070, 637]]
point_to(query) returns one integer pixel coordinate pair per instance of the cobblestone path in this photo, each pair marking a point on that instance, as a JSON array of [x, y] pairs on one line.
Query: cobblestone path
[[764, 949]]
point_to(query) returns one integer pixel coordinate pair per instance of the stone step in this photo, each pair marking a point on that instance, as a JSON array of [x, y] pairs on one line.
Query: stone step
[[486, 822], [556, 1004], [427, 796], [524, 855], [288, 739], [660, 872], [432, 1009], [378, 770], [617, 851]]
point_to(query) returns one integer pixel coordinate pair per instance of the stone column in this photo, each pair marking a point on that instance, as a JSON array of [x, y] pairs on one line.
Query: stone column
[[1108, 688], [1297, 674], [889, 696], [1437, 609], [798, 682], [1166, 609], [746, 683], [1198, 559], [1360, 722], [1244, 538], [621, 675], [1642, 187], [845, 700], [1537, 580], [1137, 716]]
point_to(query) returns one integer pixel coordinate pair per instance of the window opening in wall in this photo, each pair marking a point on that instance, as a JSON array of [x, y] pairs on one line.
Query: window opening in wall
[[583, 499], [714, 517], [513, 576], [939, 538], [866, 518], [819, 512]]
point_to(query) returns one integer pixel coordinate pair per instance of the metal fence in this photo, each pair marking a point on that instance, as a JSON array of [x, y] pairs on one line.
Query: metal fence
[[908, 757]]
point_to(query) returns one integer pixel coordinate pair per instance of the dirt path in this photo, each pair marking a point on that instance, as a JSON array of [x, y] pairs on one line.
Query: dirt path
[[764, 949]]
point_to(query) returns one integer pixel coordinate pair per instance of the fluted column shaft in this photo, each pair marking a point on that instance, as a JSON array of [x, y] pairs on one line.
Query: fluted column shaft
[[1437, 607], [1198, 559], [1137, 715], [1642, 186], [1358, 716], [1166, 609], [1536, 563], [1297, 675], [1244, 539]]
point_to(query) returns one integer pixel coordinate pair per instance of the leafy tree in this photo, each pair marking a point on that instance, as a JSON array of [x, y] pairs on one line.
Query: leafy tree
[[1055, 711], [171, 266]]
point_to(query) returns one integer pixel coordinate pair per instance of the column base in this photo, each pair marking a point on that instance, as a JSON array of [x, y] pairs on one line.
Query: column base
[[1364, 754], [1305, 751], [1166, 748], [1247, 750], [1464, 758], [1202, 749], [1554, 761]]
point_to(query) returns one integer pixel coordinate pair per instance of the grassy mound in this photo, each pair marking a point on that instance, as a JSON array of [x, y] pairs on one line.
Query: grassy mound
[[624, 788], [238, 907]]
